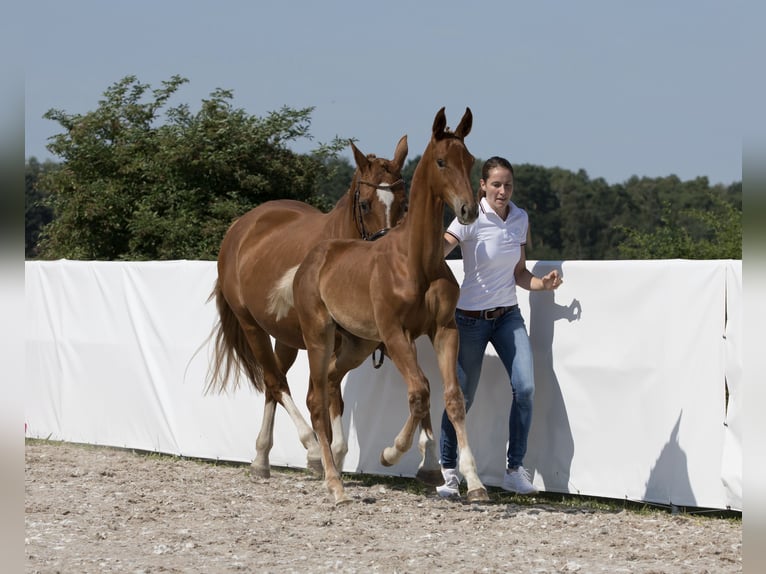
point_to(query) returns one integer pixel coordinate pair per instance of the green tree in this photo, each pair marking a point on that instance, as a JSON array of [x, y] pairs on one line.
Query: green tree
[[714, 232], [533, 191], [137, 184], [338, 175], [409, 170], [36, 214], [575, 217]]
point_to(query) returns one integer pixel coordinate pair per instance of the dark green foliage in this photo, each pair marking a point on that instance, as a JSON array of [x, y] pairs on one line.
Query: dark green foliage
[[36, 214], [409, 170], [714, 232], [142, 180], [336, 182], [574, 217], [131, 187]]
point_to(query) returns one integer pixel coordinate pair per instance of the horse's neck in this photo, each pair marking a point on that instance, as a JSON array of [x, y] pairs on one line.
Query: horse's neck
[[424, 227], [339, 221]]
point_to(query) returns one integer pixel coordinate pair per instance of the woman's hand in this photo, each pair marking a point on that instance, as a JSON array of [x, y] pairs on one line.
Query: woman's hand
[[551, 280]]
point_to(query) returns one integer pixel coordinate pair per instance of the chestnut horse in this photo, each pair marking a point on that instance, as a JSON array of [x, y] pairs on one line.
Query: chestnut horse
[[393, 291], [259, 254]]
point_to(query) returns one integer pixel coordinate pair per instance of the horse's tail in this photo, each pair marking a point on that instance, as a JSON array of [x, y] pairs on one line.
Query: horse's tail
[[232, 351]]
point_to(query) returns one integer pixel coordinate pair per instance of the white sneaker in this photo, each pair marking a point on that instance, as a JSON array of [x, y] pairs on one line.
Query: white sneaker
[[451, 486], [518, 481]]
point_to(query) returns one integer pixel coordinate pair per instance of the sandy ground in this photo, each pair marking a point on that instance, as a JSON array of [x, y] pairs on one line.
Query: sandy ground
[[91, 509]]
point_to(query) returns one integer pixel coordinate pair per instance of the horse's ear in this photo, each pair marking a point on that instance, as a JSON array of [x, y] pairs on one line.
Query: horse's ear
[[400, 153], [464, 128], [440, 124], [361, 160]]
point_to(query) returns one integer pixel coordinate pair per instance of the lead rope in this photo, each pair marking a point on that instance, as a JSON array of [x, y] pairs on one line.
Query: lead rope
[[376, 363]]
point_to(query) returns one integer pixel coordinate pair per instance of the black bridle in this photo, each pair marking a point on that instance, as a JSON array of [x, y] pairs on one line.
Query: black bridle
[[359, 216]]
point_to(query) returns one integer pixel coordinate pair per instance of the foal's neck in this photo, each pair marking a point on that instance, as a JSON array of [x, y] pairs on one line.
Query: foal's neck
[[424, 223]]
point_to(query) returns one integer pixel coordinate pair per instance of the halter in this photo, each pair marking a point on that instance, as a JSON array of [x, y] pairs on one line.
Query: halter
[[358, 216]]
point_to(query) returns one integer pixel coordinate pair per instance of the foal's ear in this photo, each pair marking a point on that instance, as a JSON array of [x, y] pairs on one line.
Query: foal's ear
[[440, 124], [464, 128], [361, 160]]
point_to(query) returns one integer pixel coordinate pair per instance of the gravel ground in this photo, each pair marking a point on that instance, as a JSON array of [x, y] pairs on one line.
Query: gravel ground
[[91, 509]]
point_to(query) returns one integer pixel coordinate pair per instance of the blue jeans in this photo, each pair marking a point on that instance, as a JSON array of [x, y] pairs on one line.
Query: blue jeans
[[508, 335]]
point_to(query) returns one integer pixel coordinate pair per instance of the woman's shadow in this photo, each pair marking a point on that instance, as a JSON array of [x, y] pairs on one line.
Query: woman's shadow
[[551, 443]]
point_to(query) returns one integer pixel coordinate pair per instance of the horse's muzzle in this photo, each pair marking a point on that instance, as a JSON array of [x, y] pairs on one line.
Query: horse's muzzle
[[468, 214]]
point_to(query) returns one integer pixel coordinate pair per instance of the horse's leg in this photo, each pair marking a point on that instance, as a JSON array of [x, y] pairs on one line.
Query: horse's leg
[[445, 342], [276, 391], [429, 471], [260, 466], [286, 356], [404, 355]]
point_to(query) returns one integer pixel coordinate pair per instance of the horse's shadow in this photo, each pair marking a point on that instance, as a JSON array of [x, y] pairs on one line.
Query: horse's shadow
[[669, 477]]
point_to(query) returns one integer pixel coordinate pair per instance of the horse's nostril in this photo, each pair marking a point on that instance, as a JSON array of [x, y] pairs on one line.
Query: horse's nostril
[[468, 213]]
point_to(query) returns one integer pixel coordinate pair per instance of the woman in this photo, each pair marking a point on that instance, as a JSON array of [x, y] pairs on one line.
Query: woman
[[494, 263]]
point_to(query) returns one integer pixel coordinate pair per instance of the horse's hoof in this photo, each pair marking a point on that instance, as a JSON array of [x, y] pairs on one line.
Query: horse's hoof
[[257, 472], [343, 500], [383, 460], [477, 495], [430, 477], [315, 466]]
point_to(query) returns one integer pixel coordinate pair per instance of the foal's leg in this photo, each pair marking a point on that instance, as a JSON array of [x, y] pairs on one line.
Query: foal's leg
[[319, 333], [404, 355], [349, 354], [319, 346], [429, 471], [445, 343], [339, 445]]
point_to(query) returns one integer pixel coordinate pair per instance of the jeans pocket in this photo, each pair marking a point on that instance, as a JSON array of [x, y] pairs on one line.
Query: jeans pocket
[[465, 321]]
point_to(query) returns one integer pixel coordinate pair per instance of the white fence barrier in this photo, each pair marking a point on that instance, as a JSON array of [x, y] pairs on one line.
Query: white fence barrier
[[633, 360]]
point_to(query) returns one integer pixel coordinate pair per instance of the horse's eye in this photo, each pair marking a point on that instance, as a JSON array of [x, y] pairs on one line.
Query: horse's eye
[[441, 162], [364, 206]]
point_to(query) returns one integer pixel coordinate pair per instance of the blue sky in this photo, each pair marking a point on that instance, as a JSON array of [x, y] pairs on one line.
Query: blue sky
[[616, 88]]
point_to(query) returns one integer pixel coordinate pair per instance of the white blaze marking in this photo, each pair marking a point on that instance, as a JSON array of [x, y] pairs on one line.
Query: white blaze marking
[[387, 198]]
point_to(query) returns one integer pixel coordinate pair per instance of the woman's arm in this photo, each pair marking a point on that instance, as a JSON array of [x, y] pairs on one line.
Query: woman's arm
[[526, 280], [450, 241]]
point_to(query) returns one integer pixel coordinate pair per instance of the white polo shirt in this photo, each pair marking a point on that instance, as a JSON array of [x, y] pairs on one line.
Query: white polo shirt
[[491, 249]]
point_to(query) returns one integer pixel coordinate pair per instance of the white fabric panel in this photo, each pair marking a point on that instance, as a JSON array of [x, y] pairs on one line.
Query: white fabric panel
[[731, 465], [630, 359], [629, 400]]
